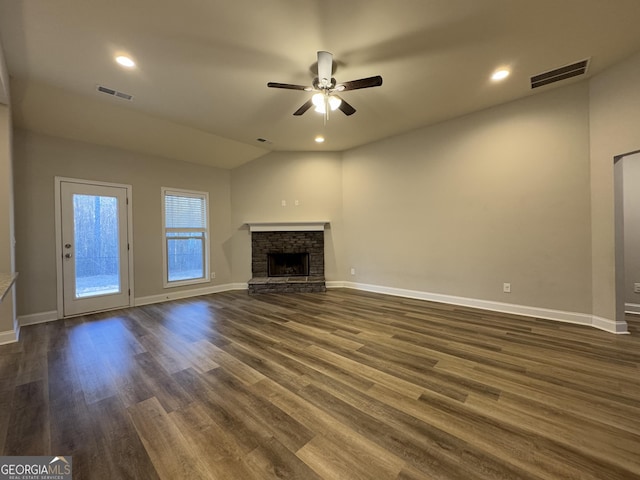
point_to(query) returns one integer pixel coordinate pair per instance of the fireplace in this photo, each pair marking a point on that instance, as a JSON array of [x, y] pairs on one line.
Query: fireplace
[[287, 264], [287, 258]]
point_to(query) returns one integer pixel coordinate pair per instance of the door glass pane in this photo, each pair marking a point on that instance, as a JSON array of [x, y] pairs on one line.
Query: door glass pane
[[185, 255], [96, 246]]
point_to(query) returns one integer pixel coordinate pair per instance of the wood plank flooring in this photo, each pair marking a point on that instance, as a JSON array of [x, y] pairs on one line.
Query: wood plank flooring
[[340, 385]]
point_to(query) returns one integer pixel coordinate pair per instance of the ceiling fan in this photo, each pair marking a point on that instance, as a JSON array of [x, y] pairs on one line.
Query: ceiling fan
[[326, 88]]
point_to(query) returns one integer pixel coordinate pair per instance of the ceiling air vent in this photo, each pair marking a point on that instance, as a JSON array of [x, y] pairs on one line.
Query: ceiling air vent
[[114, 93], [562, 73]]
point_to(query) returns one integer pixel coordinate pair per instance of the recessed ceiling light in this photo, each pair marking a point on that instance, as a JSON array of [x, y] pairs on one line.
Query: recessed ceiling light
[[125, 61], [500, 74], [319, 139]]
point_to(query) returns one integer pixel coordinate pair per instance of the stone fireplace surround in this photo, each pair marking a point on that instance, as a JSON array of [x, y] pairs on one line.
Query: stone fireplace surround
[[299, 237]]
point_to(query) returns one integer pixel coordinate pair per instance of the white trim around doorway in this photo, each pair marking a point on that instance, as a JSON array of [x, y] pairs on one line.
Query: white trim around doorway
[[58, 224]]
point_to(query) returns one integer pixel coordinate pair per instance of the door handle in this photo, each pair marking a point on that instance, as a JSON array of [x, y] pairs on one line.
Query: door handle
[[67, 245], [67, 255]]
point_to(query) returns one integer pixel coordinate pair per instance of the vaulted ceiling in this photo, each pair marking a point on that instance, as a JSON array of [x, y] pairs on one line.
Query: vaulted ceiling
[[199, 85]]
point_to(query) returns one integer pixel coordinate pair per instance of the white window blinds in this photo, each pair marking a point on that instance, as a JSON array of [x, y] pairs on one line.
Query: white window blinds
[[185, 210]]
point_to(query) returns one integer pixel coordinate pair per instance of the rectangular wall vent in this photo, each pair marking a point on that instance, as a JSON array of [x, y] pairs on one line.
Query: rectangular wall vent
[[114, 93], [562, 73]]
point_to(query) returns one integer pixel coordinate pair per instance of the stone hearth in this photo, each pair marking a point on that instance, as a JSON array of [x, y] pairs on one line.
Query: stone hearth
[[287, 285]]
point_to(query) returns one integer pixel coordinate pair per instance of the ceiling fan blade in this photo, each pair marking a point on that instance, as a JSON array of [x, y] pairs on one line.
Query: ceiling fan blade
[[325, 65], [288, 86], [307, 105], [361, 83], [345, 108]]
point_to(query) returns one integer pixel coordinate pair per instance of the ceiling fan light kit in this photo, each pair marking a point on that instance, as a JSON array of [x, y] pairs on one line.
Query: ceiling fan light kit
[[325, 98]]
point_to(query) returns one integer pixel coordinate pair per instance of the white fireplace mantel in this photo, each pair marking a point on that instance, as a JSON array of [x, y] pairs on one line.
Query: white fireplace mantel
[[287, 226]]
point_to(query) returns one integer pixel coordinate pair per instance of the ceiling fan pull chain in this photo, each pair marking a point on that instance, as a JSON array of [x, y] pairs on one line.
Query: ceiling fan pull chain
[[326, 108]]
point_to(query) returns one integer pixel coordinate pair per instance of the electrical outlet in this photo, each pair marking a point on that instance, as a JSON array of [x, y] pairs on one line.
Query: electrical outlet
[[284, 203], [353, 271], [506, 287], [297, 203], [213, 274], [636, 288]]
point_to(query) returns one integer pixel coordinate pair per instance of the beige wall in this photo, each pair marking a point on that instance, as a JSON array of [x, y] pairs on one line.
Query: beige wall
[[6, 192], [8, 319], [39, 158], [7, 256], [614, 119], [259, 187], [462, 207], [4, 79], [631, 194]]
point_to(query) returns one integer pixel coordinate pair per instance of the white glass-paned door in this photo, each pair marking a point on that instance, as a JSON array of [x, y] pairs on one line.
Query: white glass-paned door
[[95, 262]]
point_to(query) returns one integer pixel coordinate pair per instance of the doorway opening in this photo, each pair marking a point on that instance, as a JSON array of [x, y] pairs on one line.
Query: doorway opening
[[627, 233]]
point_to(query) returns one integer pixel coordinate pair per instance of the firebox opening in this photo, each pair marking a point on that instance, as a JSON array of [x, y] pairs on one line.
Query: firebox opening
[[288, 264]]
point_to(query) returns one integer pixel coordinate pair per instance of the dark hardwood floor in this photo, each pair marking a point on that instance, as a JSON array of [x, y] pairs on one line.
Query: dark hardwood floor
[[342, 385]]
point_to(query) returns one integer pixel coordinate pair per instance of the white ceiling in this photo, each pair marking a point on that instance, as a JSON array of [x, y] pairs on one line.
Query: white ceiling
[[200, 89]]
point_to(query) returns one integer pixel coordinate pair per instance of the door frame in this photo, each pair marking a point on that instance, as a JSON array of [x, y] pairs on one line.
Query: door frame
[[618, 216], [58, 221]]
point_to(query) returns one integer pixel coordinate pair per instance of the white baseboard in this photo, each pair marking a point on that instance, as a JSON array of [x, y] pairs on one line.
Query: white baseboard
[[632, 308], [548, 314], [36, 318], [9, 336], [605, 324], [43, 317], [195, 292], [612, 326]]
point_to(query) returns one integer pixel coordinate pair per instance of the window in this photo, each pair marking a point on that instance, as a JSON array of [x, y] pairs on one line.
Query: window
[[186, 232]]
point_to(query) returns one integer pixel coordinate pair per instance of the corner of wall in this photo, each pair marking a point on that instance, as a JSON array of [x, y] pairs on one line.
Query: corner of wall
[[614, 113]]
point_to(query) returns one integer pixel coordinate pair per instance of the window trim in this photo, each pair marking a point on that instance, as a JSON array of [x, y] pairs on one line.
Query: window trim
[[206, 250]]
